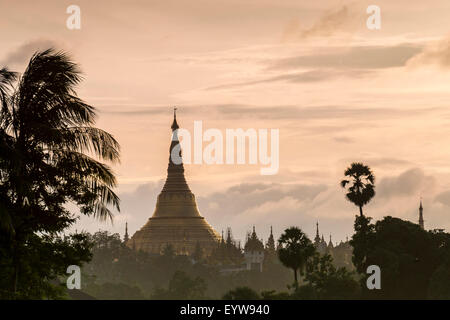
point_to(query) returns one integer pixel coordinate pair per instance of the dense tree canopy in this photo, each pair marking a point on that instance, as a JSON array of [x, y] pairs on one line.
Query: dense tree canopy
[[182, 287], [241, 293], [115, 263], [50, 155], [325, 281], [413, 262]]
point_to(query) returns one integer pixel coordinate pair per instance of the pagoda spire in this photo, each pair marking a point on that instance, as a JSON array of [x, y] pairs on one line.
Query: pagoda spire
[[317, 238], [175, 182], [229, 237], [330, 244], [126, 237], [270, 245], [421, 221]]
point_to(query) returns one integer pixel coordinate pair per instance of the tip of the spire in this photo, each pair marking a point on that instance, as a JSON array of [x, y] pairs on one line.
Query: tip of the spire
[[174, 123]]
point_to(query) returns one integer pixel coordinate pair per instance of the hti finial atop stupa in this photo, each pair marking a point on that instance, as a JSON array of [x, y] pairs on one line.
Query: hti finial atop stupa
[[176, 219], [174, 123]]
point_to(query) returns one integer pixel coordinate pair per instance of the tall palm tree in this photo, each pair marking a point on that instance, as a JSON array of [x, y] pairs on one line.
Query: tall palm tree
[[7, 79], [49, 124], [362, 185], [50, 153], [294, 250]]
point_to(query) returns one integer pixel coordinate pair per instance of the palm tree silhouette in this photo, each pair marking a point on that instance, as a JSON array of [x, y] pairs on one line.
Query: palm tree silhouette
[[362, 188], [50, 154], [7, 79], [295, 250], [47, 135]]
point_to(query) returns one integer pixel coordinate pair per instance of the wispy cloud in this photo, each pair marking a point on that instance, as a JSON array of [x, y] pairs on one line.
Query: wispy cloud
[[379, 162], [359, 57], [411, 182], [444, 198], [277, 112], [24, 52], [434, 54], [343, 139], [331, 22], [319, 112], [300, 77]]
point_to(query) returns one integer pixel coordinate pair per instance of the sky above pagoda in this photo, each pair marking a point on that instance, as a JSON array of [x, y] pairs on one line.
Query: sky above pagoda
[[337, 91]]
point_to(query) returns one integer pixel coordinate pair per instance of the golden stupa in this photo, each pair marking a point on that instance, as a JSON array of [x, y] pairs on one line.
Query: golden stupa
[[176, 219]]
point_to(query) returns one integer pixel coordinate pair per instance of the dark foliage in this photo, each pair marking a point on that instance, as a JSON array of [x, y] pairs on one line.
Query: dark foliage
[[295, 250], [242, 293], [50, 155], [361, 187], [413, 262]]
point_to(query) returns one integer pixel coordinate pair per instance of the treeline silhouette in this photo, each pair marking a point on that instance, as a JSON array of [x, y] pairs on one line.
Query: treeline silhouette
[[414, 263], [51, 155], [117, 270]]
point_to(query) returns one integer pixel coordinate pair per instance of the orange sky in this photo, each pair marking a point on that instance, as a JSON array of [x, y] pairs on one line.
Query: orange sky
[[337, 91]]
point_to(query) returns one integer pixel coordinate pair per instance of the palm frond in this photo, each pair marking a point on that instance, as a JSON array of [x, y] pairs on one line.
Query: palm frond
[[344, 183], [7, 79], [55, 137], [48, 81], [78, 164], [93, 140]]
